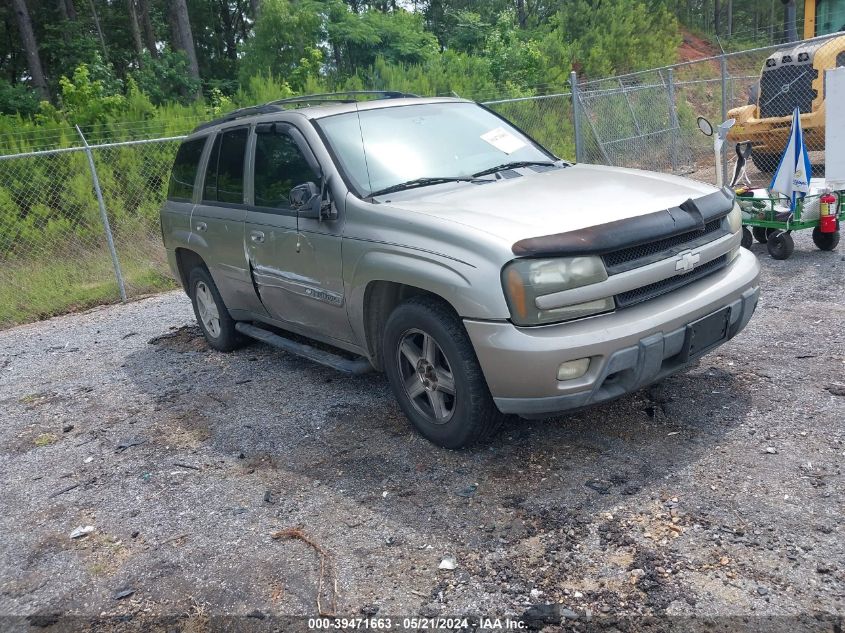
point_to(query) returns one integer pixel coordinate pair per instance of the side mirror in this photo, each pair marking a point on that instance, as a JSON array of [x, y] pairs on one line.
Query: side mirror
[[305, 199], [725, 127], [705, 126]]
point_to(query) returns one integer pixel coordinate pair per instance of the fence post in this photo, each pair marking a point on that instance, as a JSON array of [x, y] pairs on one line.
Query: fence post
[[673, 119], [104, 216], [576, 117], [723, 63]]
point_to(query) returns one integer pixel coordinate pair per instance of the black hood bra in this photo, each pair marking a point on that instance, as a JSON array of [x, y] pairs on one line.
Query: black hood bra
[[689, 216]]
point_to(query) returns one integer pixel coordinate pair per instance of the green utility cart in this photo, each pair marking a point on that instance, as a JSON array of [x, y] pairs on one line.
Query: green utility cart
[[771, 225]]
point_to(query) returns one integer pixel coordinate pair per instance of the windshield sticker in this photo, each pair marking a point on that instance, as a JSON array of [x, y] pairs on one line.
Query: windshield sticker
[[503, 140]]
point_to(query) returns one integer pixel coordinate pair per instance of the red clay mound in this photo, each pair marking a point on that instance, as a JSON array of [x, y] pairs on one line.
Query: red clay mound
[[694, 47]]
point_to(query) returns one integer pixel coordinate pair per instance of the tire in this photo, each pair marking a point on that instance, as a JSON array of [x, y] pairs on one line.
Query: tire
[[446, 397], [214, 320], [747, 240], [766, 163], [780, 245], [759, 234], [825, 241]]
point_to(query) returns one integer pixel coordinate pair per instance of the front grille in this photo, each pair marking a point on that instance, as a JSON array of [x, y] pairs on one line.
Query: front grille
[[784, 87], [628, 258], [644, 293]]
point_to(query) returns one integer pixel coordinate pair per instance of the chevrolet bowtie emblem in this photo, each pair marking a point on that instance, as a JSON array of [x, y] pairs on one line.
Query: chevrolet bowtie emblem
[[687, 261]]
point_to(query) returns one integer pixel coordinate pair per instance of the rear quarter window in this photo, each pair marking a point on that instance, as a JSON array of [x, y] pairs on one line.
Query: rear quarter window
[[184, 172], [224, 175]]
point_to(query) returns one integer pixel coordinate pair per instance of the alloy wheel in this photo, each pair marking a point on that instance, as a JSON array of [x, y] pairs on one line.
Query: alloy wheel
[[207, 308], [426, 376]]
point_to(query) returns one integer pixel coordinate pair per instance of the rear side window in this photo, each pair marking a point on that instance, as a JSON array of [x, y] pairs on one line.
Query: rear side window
[[224, 175], [279, 167], [184, 171]]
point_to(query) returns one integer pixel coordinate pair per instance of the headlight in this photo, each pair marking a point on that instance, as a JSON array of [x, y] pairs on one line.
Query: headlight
[[526, 279], [734, 226]]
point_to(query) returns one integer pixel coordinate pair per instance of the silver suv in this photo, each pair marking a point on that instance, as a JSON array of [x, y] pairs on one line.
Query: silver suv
[[433, 240]]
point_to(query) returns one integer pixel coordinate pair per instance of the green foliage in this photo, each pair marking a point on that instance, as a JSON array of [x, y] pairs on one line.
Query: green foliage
[[18, 98], [86, 100], [473, 49], [446, 74], [603, 37], [286, 37], [302, 45], [467, 31], [165, 78], [400, 38], [515, 60]]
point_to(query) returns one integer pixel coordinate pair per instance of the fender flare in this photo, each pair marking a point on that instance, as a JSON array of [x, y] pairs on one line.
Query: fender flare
[[418, 269]]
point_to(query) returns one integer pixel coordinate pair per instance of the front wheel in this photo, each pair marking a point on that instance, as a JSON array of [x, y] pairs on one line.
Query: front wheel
[[435, 375], [780, 245], [825, 241]]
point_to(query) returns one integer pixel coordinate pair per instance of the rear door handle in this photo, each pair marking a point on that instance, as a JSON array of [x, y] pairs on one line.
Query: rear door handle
[[256, 236], [202, 226]]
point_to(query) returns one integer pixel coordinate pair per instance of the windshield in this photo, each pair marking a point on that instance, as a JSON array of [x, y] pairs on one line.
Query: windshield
[[431, 140], [830, 16]]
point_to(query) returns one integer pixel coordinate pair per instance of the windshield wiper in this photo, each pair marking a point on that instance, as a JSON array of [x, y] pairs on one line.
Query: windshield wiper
[[421, 182], [515, 165]]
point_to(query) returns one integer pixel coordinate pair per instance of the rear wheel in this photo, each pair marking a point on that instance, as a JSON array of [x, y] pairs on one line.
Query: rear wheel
[[435, 375], [747, 240], [780, 245], [825, 241], [759, 234], [217, 325]]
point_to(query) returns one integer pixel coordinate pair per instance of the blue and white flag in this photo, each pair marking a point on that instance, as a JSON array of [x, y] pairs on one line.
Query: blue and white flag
[[792, 177]]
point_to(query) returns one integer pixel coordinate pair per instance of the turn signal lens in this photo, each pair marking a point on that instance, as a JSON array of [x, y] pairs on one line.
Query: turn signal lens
[[516, 293]]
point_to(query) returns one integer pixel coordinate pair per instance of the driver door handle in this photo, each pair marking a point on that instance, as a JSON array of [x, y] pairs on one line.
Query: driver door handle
[[257, 236]]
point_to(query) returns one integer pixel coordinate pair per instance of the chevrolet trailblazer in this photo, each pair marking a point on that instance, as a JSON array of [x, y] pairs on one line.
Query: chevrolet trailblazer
[[431, 239]]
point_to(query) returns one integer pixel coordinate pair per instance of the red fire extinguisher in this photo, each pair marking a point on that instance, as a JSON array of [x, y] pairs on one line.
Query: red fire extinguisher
[[827, 213]]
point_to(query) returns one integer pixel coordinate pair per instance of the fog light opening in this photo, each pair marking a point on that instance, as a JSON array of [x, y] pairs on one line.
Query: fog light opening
[[573, 369]]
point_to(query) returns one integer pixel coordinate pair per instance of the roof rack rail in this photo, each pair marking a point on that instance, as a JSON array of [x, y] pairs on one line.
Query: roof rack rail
[[326, 97], [267, 108], [334, 96]]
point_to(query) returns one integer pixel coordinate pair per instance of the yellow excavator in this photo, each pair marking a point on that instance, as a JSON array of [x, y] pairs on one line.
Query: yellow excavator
[[793, 76]]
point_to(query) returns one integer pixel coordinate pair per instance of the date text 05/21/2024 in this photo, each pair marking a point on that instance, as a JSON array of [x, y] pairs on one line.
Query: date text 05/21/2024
[[413, 624]]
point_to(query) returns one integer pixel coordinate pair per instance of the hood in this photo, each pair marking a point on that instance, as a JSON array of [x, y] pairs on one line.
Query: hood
[[554, 201]]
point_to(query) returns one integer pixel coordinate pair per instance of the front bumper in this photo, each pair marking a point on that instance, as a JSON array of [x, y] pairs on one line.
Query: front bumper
[[628, 349]]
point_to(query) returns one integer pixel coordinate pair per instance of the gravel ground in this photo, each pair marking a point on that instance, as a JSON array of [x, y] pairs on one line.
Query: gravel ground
[[716, 493]]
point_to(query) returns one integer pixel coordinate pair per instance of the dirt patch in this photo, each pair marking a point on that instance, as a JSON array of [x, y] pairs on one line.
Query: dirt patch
[[187, 338], [694, 47], [717, 492]]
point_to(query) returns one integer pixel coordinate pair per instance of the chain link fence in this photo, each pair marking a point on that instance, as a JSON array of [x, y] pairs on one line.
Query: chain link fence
[[647, 119], [548, 119], [79, 226]]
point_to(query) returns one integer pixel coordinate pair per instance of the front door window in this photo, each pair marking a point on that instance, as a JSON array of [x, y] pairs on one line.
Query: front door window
[[279, 167]]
